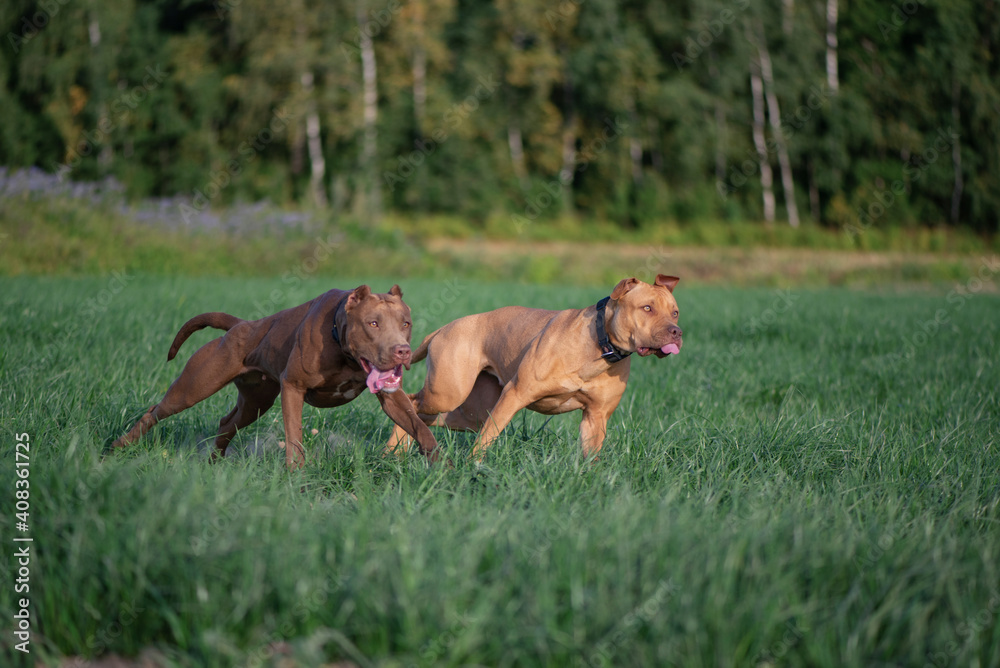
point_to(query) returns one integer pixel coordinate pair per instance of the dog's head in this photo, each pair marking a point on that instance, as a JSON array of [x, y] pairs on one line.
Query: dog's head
[[378, 335], [642, 318]]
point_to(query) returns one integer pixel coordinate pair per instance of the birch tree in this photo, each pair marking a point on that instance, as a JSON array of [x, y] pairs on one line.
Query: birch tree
[[832, 74], [759, 41], [370, 202], [759, 139]]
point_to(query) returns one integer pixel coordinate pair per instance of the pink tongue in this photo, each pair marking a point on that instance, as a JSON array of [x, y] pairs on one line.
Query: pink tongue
[[670, 349], [379, 379]]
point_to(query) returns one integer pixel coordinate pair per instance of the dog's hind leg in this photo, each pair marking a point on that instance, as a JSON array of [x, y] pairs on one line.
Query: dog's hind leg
[[212, 367], [475, 410], [254, 399], [448, 384]]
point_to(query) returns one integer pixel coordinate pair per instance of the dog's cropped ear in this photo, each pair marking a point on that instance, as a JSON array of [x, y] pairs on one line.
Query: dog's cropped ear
[[623, 287], [668, 282], [396, 292], [357, 296]]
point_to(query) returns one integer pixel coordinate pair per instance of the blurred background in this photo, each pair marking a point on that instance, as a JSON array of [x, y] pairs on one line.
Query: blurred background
[[818, 124]]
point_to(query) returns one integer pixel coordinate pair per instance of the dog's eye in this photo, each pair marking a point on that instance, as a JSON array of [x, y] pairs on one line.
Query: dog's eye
[[647, 308], [676, 314], [405, 325], [374, 323]]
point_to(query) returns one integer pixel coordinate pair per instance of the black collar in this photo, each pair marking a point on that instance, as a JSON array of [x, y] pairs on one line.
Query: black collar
[[336, 333], [608, 350]]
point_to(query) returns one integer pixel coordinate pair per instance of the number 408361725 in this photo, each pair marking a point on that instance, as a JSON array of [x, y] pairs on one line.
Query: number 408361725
[[21, 494]]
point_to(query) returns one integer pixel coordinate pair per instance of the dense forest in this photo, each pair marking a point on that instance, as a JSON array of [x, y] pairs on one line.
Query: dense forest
[[849, 113]]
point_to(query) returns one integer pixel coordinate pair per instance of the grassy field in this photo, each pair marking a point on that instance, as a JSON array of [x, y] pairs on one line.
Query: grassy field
[[52, 234], [813, 481]]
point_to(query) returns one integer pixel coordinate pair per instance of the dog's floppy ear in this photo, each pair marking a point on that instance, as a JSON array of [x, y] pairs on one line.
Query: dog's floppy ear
[[668, 282], [623, 287], [396, 292], [357, 296]]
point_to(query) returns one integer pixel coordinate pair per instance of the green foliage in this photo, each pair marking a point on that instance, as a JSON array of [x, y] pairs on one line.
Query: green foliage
[[812, 481], [636, 112]]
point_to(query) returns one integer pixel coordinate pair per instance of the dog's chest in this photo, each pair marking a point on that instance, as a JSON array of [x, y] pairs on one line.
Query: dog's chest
[[335, 392], [558, 404], [594, 385]]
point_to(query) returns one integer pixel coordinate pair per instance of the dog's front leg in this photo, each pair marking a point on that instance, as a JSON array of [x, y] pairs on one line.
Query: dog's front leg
[[292, 401], [399, 408], [511, 401], [593, 429]]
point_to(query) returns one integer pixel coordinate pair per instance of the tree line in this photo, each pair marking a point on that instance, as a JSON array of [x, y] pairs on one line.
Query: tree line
[[847, 113]]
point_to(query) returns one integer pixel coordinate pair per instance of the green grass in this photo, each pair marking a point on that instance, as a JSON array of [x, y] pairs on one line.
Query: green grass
[[61, 236], [791, 489]]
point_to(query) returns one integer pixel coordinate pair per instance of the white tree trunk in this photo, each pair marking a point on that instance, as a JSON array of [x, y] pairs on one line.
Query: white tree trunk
[[516, 144], [635, 152], [314, 143], [766, 178], [774, 116], [720, 140], [634, 143], [832, 78], [94, 32], [106, 155], [369, 150], [760, 143], [956, 152], [813, 192], [419, 88], [568, 161], [720, 123], [787, 16], [420, 109], [568, 146]]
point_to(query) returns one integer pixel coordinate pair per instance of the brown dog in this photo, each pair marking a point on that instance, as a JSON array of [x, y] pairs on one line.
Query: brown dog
[[323, 353], [482, 369]]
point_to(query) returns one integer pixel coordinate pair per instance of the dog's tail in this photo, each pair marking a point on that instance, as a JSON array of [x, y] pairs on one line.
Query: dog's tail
[[421, 352], [215, 319]]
